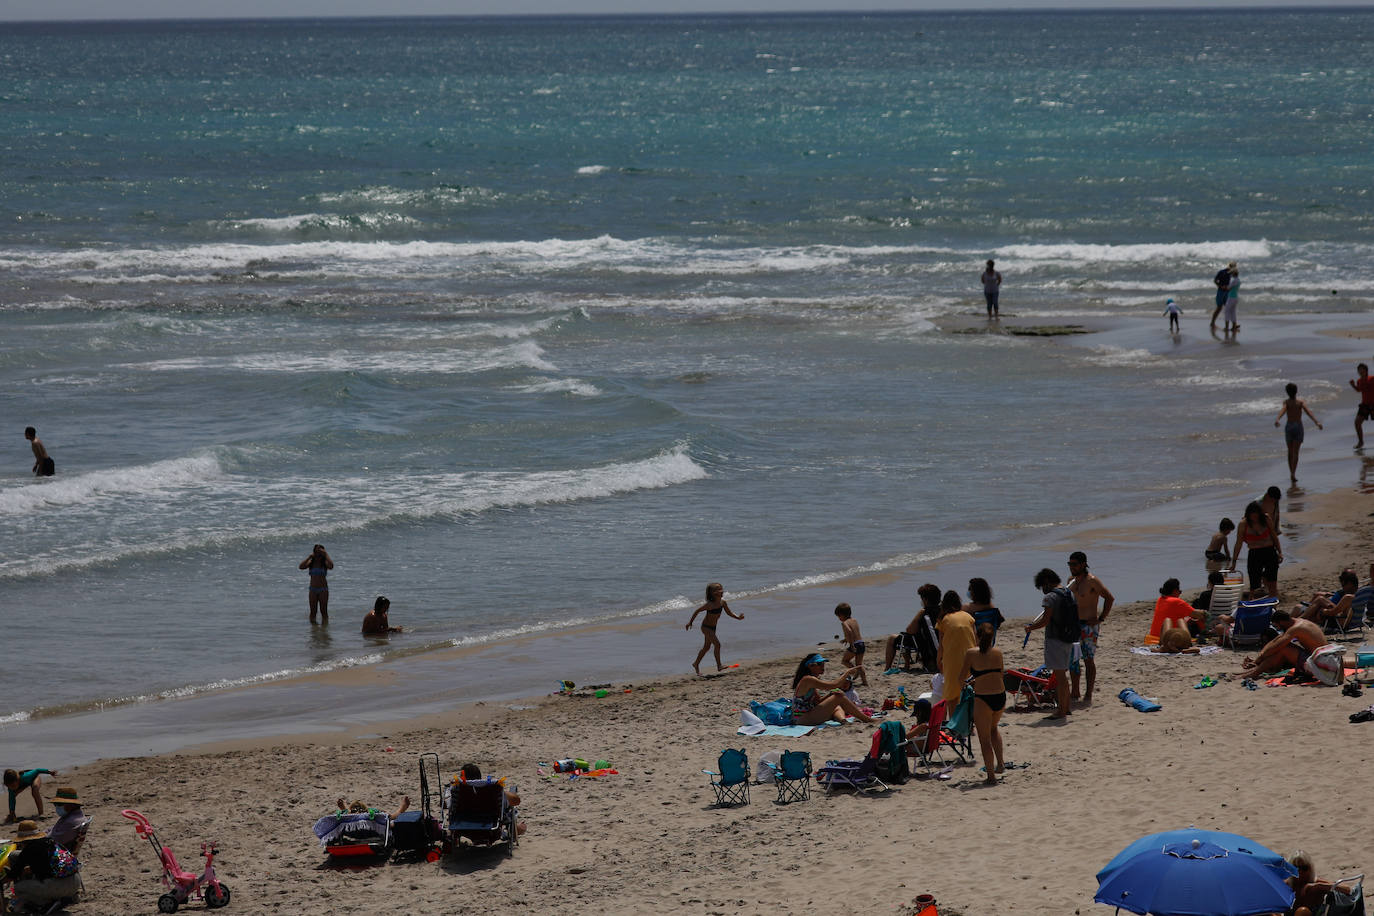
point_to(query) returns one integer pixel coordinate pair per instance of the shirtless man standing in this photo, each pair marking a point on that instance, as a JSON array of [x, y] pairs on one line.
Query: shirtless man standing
[[1293, 408], [1296, 642], [1088, 590], [42, 464]]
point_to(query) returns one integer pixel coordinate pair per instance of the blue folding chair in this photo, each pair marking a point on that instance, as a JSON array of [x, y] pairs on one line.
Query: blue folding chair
[[792, 775], [1251, 620], [732, 781]]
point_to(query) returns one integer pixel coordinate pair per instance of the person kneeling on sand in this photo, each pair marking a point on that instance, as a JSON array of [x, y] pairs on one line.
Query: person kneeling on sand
[[470, 772], [815, 701], [1297, 642]]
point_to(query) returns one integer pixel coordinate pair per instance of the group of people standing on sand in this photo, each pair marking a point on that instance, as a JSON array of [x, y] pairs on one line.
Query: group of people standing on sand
[[318, 564]]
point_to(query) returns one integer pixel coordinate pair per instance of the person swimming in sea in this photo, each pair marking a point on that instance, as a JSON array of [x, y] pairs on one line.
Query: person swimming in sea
[[715, 604]]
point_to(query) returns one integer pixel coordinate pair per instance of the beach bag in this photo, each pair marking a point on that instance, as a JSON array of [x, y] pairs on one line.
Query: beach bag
[[1327, 665], [1063, 623], [774, 712], [62, 862]]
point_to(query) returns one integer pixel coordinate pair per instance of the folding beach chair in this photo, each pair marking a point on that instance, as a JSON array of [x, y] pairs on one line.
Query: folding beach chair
[[1029, 690], [959, 725], [732, 781], [859, 775], [1353, 627], [479, 815], [792, 776], [1339, 903], [1252, 619], [1224, 600], [927, 750]]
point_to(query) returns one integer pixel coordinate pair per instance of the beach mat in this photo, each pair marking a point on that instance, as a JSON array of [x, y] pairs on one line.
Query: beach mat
[[778, 731]]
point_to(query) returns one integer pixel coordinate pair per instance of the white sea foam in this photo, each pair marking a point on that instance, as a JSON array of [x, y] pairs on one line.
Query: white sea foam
[[320, 221], [1162, 251], [592, 169], [1121, 357], [525, 354], [356, 503], [899, 561], [561, 386], [161, 478]]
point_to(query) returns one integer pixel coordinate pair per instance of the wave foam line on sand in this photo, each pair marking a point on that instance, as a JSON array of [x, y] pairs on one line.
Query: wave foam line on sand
[[189, 690]]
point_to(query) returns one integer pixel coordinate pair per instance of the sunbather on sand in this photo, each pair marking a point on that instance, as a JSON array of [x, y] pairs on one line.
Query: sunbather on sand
[[1296, 642], [815, 701]]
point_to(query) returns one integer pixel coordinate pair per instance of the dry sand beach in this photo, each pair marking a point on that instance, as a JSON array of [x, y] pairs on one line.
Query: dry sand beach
[[1282, 765]]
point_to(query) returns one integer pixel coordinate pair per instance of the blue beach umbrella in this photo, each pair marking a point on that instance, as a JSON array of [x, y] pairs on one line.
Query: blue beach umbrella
[[1196, 878], [1232, 842]]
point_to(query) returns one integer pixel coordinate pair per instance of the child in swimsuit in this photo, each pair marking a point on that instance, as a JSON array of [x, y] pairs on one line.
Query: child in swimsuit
[[715, 603], [16, 782], [983, 667], [854, 643], [1216, 551]]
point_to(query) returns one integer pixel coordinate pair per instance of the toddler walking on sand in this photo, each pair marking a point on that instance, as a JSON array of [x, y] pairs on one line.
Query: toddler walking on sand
[[853, 641], [715, 603]]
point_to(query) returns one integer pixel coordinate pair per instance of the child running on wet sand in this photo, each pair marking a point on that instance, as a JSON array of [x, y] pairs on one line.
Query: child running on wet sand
[[715, 603], [854, 647]]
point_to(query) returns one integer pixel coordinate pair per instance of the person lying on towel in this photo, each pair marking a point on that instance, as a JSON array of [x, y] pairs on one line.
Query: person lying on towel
[[1298, 643]]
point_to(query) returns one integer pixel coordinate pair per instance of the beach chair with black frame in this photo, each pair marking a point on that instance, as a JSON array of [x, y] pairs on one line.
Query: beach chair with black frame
[[792, 776], [860, 775], [731, 778], [959, 725], [479, 815]]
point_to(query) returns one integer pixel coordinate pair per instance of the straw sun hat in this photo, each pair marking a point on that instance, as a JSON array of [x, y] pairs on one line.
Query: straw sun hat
[[66, 795], [28, 830]]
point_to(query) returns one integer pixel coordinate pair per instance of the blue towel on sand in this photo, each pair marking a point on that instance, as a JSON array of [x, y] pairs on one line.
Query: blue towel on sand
[[1131, 698], [783, 731]]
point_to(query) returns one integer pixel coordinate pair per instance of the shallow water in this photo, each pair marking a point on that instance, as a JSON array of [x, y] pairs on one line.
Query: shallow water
[[538, 323]]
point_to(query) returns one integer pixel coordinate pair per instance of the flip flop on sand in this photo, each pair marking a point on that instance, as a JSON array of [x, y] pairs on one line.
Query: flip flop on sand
[[1364, 715]]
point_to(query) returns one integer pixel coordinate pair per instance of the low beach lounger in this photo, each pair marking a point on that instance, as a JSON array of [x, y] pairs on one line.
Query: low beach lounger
[[859, 775]]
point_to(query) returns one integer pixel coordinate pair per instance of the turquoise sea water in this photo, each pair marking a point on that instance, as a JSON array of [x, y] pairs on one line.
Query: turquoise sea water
[[541, 322]]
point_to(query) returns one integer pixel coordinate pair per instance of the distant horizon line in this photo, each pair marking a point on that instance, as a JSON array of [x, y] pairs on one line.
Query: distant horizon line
[[1367, 6]]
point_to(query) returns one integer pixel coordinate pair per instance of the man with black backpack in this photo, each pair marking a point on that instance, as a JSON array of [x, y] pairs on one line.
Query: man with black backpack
[[1060, 620]]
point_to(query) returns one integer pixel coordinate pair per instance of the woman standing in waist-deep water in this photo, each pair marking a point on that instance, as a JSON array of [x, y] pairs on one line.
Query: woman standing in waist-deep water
[[715, 603], [983, 663], [319, 565]]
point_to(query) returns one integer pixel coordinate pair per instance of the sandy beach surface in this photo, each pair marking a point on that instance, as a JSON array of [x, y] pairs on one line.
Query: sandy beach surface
[[1281, 765]]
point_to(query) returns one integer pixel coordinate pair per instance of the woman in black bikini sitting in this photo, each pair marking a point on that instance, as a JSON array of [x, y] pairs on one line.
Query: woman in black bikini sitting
[[983, 663], [715, 603]]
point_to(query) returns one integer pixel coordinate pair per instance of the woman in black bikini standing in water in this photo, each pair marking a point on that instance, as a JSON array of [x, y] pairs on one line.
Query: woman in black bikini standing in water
[[984, 664], [715, 603]]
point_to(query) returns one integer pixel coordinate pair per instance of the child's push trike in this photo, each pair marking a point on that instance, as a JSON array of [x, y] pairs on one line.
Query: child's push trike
[[182, 886]]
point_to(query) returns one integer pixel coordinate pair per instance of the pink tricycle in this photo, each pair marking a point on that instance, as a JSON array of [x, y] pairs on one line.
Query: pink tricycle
[[182, 886]]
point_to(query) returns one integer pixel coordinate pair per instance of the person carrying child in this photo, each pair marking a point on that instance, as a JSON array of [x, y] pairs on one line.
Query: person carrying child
[[853, 641], [715, 604]]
